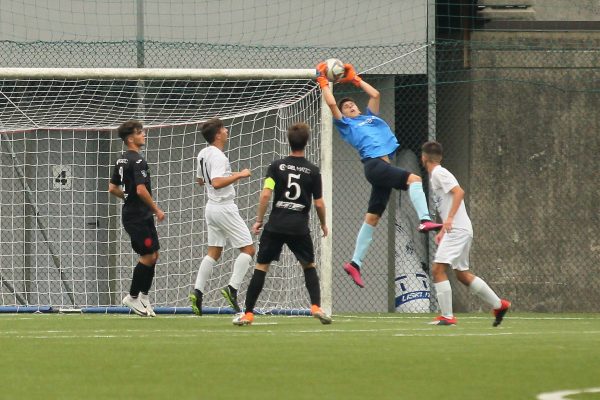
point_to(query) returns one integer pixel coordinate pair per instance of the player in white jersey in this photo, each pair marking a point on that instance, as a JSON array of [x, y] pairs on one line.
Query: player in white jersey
[[454, 240], [222, 215]]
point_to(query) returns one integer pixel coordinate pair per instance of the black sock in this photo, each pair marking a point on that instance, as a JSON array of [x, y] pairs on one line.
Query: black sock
[[254, 288], [148, 278], [355, 265], [312, 284], [137, 282]]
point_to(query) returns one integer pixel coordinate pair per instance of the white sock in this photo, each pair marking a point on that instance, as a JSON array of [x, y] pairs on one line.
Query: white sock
[[443, 292], [240, 267], [481, 289], [204, 273]]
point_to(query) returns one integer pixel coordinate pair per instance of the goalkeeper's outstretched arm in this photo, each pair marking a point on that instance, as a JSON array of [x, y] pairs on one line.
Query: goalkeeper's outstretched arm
[[326, 90], [374, 96], [351, 76]]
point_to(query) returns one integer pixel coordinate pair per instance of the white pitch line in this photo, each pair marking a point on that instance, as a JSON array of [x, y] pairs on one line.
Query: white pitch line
[[250, 331], [341, 317], [76, 337], [157, 333], [538, 333], [564, 394], [463, 317], [451, 334]]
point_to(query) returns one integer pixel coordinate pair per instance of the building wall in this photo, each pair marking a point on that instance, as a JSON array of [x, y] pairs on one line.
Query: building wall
[[533, 178]]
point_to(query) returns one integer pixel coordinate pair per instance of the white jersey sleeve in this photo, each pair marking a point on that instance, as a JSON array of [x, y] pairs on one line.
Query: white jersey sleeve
[[442, 182], [443, 179]]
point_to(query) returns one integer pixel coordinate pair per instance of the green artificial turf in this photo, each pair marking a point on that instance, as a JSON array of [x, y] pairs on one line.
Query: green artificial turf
[[365, 356]]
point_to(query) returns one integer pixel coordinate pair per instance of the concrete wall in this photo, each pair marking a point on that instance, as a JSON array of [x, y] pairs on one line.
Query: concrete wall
[[542, 10], [533, 179], [453, 130]]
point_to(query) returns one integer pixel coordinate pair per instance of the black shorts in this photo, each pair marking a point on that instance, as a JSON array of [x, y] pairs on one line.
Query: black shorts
[[271, 244], [144, 238], [383, 177]]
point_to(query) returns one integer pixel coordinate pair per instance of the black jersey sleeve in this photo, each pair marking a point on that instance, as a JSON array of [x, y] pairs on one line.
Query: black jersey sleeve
[[317, 187], [271, 171], [116, 178], [140, 173]]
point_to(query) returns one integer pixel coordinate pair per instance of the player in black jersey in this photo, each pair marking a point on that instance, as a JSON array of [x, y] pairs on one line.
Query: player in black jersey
[[131, 181], [295, 183]]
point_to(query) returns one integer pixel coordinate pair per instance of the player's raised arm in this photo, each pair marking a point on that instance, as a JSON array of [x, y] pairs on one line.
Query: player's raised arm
[[326, 90], [374, 97], [351, 76], [222, 181]]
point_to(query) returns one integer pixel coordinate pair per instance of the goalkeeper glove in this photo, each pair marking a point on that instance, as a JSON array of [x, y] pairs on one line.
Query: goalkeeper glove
[[321, 75], [350, 76]]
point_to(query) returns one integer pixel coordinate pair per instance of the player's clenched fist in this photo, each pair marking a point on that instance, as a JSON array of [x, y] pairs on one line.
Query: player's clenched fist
[[245, 173]]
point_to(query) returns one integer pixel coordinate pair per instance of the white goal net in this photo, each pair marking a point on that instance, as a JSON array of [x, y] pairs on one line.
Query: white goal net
[[62, 244]]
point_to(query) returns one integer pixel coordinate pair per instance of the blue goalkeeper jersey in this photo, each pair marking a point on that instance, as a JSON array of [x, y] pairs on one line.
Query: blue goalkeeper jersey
[[368, 134]]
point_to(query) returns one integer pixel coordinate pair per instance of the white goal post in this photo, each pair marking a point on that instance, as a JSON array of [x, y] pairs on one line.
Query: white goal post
[[62, 245]]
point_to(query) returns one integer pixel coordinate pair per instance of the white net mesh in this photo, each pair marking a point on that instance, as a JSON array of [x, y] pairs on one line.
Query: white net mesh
[[61, 237]]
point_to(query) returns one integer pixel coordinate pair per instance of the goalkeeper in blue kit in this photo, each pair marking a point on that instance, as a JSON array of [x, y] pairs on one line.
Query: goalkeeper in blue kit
[[376, 144]]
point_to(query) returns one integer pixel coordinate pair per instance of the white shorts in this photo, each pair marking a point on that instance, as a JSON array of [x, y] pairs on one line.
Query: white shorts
[[454, 249], [224, 223]]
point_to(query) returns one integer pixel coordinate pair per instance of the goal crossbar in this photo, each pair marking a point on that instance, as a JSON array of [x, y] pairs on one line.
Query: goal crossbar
[[154, 73]]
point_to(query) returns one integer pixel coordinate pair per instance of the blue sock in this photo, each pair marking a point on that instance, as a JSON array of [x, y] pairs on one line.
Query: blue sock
[[363, 241], [417, 197]]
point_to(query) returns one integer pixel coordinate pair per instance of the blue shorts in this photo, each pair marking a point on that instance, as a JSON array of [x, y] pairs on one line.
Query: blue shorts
[[383, 177]]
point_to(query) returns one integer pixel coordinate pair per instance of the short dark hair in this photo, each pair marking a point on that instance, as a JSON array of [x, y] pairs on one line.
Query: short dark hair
[[298, 135], [345, 100], [210, 129], [128, 128], [432, 149]]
